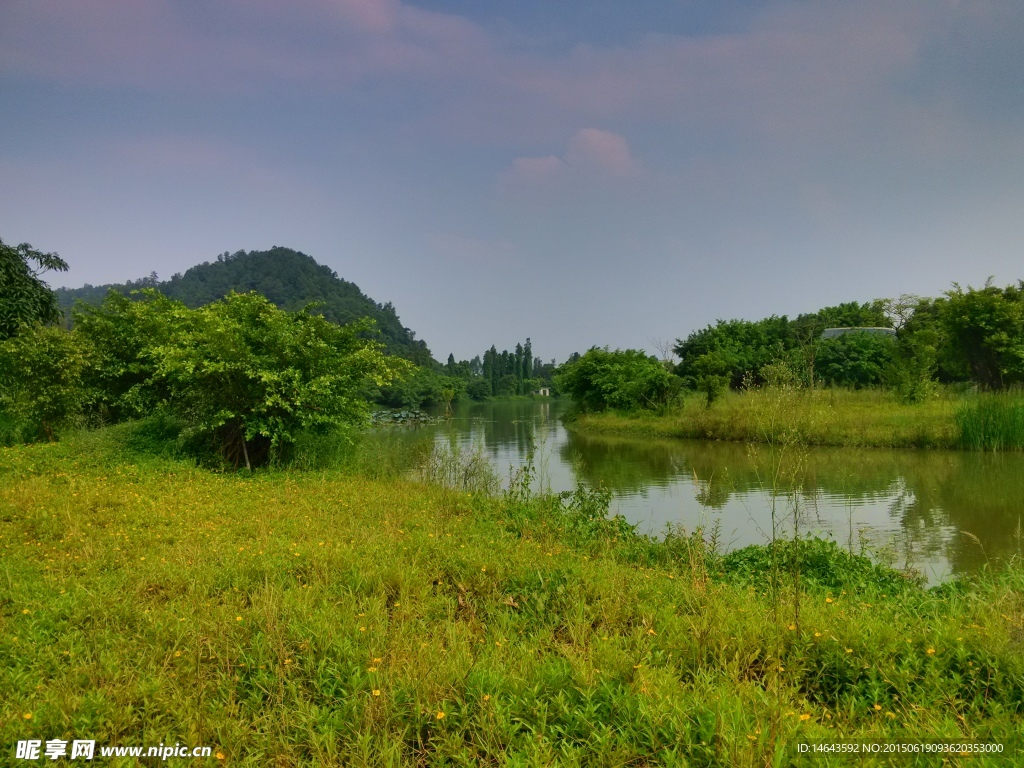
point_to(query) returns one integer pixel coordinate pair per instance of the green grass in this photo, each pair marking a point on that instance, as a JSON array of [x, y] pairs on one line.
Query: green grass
[[835, 417], [992, 423], [328, 619]]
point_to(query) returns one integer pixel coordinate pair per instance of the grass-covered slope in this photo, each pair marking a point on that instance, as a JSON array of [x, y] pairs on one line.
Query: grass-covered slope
[[288, 278], [327, 619]]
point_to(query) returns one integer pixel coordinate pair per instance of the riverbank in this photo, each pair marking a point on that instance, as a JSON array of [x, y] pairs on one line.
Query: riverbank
[[324, 618], [520, 399], [828, 417]]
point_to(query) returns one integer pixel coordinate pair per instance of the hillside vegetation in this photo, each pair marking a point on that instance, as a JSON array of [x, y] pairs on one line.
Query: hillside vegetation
[[290, 279]]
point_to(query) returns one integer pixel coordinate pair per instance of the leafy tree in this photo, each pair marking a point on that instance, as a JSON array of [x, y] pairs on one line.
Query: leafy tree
[[121, 333], [24, 298], [985, 329], [856, 359], [872, 314], [625, 379], [421, 388], [41, 372], [742, 346], [250, 377], [911, 374], [479, 389], [507, 385], [711, 375]]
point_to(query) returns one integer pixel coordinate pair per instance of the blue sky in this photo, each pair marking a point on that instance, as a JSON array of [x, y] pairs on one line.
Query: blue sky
[[579, 173]]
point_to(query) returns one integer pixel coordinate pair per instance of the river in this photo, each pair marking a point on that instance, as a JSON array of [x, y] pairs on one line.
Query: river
[[943, 513]]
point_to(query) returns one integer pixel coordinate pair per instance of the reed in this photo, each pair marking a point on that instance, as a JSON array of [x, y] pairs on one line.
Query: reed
[[832, 417], [992, 422]]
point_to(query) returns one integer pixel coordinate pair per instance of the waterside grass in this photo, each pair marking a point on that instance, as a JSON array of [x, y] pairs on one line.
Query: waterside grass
[[992, 423], [832, 417], [324, 618]]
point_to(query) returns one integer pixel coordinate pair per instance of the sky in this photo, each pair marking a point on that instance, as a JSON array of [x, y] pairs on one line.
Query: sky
[[580, 173]]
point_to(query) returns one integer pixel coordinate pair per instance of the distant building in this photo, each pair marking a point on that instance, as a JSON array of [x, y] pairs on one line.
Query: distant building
[[543, 392], [831, 333]]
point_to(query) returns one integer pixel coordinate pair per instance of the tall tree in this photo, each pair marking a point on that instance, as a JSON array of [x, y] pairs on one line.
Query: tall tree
[[24, 298], [490, 366], [986, 330], [518, 369]]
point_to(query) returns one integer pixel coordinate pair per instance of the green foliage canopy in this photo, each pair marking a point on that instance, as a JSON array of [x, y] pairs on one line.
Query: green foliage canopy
[[625, 379], [238, 373], [856, 359], [121, 332], [242, 371], [422, 387], [985, 328], [24, 298], [41, 373], [745, 347], [736, 347]]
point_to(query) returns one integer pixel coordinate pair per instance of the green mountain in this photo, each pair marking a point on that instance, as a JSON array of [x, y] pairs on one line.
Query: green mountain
[[288, 278]]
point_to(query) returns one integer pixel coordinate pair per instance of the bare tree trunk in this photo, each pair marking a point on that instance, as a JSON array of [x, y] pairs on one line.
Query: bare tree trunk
[[245, 452]]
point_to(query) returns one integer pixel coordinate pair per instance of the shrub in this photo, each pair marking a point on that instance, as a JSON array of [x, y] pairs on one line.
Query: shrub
[[624, 379], [41, 389], [240, 374]]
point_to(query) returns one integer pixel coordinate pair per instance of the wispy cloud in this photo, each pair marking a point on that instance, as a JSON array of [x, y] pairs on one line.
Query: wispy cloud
[[593, 156]]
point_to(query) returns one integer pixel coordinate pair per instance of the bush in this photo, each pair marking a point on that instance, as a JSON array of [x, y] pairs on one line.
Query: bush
[[421, 389], [239, 374], [625, 379], [41, 389]]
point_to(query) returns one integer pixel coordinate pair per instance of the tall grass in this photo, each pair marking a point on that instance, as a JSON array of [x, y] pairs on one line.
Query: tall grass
[[825, 417], [992, 422], [459, 468]]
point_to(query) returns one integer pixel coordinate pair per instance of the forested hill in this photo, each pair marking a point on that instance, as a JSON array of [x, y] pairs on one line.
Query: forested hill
[[288, 278]]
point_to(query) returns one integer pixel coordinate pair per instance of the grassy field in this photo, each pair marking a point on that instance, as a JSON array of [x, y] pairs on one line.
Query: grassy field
[[323, 618], [867, 418]]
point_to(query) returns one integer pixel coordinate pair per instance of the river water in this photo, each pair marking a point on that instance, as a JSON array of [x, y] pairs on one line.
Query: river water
[[943, 513]]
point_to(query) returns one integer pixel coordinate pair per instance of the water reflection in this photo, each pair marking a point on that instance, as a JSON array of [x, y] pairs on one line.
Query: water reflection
[[914, 505]]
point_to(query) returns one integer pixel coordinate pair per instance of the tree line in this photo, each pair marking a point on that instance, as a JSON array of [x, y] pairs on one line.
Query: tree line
[[131, 354], [493, 374], [968, 336]]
